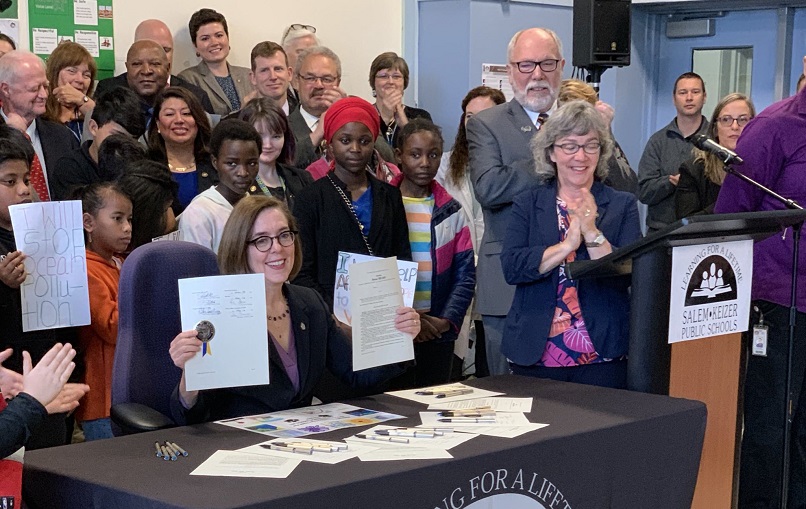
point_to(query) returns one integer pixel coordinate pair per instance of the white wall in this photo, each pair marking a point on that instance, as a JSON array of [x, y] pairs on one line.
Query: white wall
[[357, 30]]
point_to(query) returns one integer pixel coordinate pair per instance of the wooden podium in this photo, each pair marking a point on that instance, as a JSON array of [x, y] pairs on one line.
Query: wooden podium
[[710, 369]]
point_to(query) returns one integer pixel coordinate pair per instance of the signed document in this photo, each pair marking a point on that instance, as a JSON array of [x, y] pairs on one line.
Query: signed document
[[375, 296], [229, 314]]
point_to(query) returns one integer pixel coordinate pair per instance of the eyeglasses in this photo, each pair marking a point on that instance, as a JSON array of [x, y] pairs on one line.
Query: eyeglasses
[[326, 80], [297, 26], [394, 77], [592, 147], [727, 120], [264, 242], [528, 66]]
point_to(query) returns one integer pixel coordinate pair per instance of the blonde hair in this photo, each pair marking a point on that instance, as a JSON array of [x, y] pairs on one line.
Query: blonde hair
[[573, 90], [713, 167], [232, 257]]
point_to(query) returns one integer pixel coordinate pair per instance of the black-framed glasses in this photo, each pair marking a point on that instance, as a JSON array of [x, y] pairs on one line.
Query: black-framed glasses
[[528, 66], [592, 147], [297, 26], [311, 79], [264, 242], [727, 120]]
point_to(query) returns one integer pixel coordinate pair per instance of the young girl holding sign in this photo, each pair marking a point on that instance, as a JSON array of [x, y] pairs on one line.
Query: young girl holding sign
[[107, 232], [441, 246]]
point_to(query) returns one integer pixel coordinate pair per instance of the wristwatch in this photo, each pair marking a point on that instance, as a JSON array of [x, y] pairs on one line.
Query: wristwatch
[[596, 242]]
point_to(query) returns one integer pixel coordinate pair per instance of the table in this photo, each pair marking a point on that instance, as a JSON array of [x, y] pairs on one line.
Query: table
[[604, 448]]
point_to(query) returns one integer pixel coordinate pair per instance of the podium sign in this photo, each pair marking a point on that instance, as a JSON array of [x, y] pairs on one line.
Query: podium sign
[[710, 290]]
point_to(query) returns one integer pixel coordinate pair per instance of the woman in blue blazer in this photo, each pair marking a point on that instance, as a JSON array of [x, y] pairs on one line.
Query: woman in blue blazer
[[304, 339], [557, 327]]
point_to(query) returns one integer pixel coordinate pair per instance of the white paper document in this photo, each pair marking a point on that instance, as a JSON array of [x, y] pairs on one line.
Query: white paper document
[[241, 464], [44, 40], [85, 12], [452, 392], [501, 431], [407, 271], [501, 419], [54, 293], [320, 451], [230, 314], [411, 453], [523, 405], [374, 299], [88, 39]]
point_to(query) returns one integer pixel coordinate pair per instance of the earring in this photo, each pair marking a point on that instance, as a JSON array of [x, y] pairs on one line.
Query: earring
[[374, 94], [89, 238]]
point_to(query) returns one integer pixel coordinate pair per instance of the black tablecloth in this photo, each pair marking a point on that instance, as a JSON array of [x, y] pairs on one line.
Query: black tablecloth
[[604, 448]]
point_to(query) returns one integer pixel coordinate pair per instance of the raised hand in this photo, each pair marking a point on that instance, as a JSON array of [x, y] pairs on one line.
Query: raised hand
[[10, 381], [45, 381], [12, 270]]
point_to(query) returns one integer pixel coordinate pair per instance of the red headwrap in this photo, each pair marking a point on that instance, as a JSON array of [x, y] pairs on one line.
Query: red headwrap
[[351, 109]]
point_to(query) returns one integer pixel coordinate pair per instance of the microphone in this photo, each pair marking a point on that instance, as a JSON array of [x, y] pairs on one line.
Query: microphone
[[705, 143]]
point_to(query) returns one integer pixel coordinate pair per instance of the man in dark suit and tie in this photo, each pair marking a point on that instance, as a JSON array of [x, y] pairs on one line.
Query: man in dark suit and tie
[[24, 90], [501, 167], [147, 73]]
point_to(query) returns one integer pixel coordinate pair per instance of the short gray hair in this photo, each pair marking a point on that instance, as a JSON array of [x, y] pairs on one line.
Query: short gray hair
[[293, 35], [546, 31], [573, 118], [10, 62], [317, 51]]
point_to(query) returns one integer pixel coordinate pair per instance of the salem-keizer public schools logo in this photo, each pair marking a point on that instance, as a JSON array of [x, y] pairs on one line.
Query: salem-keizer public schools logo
[[712, 281]]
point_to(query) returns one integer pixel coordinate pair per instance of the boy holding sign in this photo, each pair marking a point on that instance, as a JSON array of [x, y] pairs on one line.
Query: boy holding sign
[[16, 156]]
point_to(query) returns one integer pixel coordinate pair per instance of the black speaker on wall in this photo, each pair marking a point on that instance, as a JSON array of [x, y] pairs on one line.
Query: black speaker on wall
[[601, 33]]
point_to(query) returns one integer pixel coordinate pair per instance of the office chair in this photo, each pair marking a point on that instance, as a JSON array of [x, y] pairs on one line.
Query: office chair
[[144, 376]]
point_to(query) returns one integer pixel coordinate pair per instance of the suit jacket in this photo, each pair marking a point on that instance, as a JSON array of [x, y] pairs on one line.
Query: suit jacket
[[201, 76], [121, 80], [319, 343], [604, 302], [57, 141], [501, 167]]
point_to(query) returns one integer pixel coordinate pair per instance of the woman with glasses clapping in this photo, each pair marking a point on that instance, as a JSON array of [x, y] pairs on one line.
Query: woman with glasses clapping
[[560, 328], [388, 78], [701, 176], [261, 237]]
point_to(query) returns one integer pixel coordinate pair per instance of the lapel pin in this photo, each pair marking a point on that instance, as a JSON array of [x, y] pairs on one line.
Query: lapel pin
[[526, 128], [302, 325]]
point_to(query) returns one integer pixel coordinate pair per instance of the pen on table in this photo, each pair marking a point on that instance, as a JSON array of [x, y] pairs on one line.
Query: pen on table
[[159, 451], [404, 433], [435, 429], [333, 446], [464, 413], [385, 439], [308, 445], [284, 448], [468, 419], [457, 392], [432, 392], [179, 449], [171, 450], [165, 454]]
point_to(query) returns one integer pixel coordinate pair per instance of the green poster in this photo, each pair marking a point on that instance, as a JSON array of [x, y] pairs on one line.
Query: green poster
[[8, 10], [87, 22]]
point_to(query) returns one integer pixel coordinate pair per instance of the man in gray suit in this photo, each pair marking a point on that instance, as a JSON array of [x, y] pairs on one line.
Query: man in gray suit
[[501, 166]]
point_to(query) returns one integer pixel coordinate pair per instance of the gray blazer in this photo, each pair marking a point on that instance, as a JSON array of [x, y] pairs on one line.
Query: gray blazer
[[201, 76], [501, 167]]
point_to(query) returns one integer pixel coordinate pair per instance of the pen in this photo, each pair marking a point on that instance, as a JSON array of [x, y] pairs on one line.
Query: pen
[[159, 451], [176, 446], [171, 450], [385, 439], [307, 445], [403, 433], [299, 450], [167, 454], [467, 414], [457, 392], [468, 419], [434, 392], [437, 430]]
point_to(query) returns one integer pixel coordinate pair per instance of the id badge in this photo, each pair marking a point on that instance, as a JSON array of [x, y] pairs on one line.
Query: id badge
[[760, 340]]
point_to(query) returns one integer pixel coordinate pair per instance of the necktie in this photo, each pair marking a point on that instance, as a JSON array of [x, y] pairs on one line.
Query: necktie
[[541, 119], [38, 177]]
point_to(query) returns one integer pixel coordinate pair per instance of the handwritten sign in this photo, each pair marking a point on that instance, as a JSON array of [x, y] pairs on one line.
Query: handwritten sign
[[54, 293], [231, 312], [341, 295]]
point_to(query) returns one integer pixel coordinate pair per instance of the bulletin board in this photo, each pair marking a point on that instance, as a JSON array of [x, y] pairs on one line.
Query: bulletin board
[[87, 22]]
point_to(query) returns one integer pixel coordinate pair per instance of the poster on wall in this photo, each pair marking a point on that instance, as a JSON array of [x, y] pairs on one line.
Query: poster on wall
[[495, 76], [82, 21], [710, 294]]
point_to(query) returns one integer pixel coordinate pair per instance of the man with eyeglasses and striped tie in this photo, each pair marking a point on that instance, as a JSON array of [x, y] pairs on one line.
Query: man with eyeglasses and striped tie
[[501, 167]]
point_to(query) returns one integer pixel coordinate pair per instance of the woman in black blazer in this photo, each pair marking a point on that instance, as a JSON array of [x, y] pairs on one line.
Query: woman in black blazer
[[701, 176], [275, 177], [261, 237]]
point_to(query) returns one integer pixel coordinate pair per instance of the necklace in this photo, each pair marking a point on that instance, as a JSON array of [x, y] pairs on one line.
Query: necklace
[[180, 169], [279, 317]]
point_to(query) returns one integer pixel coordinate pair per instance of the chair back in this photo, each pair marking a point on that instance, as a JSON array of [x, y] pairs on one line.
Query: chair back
[[149, 319]]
